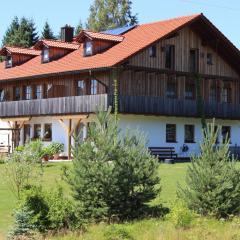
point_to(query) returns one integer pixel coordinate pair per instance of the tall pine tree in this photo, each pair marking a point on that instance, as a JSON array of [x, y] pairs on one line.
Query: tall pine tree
[[47, 32], [79, 28], [21, 34], [12, 30], [107, 14]]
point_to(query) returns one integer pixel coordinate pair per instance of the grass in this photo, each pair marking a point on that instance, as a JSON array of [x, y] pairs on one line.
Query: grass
[[151, 229]]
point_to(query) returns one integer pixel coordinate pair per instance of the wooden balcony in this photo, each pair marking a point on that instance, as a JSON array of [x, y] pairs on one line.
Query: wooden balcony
[[150, 105], [53, 106]]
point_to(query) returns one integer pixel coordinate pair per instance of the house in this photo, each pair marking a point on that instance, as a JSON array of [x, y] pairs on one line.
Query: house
[[169, 76]]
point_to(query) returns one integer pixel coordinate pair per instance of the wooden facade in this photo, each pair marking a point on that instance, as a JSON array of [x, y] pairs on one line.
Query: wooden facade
[[146, 83]]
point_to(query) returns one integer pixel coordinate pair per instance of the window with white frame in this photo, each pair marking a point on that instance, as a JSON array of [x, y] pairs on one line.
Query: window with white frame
[[94, 85], [8, 61], [45, 55], [28, 92], [88, 48]]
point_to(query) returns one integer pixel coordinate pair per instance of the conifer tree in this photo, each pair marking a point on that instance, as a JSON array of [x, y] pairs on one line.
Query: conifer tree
[[113, 178], [12, 30], [107, 14], [47, 32], [21, 33], [79, 28], [213, 179]]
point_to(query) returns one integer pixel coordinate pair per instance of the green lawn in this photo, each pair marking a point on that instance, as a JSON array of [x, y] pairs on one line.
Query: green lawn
[[170, 175], [149, 229]]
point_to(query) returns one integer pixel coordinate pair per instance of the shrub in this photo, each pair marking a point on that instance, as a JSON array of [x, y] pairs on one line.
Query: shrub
[[61, 213], [22, 167], [213, 179], [113, 178], [47, 210], [56, 148], [22, 225], [117, 232], [180, 215]]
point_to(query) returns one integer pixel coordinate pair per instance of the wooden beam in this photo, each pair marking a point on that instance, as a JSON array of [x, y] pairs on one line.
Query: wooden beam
[[69, 138], [16, 119], [75, 126], [68, 117], [63, 125]]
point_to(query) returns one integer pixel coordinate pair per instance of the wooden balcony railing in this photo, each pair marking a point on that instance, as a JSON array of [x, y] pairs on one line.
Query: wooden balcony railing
[[148, 105], [53, 106], [175, 107]]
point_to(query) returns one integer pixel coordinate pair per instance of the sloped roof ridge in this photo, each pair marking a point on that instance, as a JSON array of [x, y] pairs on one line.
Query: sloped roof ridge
[[172, 19]]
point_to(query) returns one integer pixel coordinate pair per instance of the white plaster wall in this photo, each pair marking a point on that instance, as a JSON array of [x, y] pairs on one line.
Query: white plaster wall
[[155, 130], [5, 134], [58, 132]]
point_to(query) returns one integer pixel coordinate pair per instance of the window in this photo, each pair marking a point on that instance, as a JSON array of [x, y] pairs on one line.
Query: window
[[226, 93], [8, 61], [2, 95], [209, 59], [38, 92], [45, 55], [47, 135], [213, 94], [88, 50], [94, 87], [171, 133], [26, 133], [189, 134], [226, 133], [153, 51], [194, 60], [80, 87], [170, 56], [171, 91], [28, 92], [190, 90], [17, 95], [37, 131]]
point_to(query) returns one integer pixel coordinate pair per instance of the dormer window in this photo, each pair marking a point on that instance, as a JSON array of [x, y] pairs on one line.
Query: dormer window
[[45, 55], [88, 50], [153, 51], [8, 61]]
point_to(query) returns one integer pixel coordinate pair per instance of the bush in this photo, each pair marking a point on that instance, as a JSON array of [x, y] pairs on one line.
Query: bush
[[22, 225], [117, 232], [22, 167], [113, 179], [56, 148], [213, 179], [47, 210], [180, 215]]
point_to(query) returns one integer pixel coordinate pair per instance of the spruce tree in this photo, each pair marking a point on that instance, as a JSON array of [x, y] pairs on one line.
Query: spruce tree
[[79, 28], [213, 179], [9, 38], [107, 14], [47, 32], [112, 177], [21, 34]]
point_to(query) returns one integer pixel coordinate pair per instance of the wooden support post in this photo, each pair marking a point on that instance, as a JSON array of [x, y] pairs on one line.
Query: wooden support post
[[69, 138]]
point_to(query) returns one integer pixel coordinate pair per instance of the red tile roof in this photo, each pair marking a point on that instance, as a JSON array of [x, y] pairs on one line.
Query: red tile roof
[[18, 50], [134, 41], [101, 36], [57, 44]]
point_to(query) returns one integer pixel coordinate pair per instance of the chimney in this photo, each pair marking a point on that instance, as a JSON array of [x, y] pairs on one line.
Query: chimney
[[67, 33]]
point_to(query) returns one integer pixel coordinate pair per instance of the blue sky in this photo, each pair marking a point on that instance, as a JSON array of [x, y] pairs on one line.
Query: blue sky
[[224, 14]]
